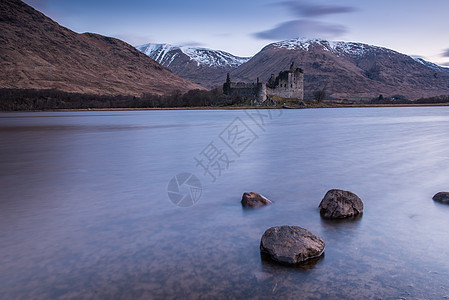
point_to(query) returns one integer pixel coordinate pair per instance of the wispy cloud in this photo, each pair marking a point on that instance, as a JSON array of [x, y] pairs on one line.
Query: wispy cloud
[[445, 64], [307, 22], [446, 53], [308, 10], [301, 28]]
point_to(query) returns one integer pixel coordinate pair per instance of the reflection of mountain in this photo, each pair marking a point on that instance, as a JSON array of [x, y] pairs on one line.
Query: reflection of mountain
[[204, 66], [36, 52]]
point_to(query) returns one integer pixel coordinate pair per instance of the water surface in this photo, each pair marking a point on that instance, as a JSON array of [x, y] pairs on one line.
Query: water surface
[[84, 209]]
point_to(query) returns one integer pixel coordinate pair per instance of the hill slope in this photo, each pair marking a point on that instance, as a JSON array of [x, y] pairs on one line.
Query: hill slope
[[38, 53], [347, 70], [203, 66]]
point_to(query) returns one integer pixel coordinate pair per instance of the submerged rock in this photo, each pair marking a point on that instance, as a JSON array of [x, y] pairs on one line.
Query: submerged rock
[[291, 244], [338, 204], [442, 197], [254, 200]]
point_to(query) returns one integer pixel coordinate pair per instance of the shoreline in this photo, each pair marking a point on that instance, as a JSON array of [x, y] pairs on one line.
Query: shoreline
[[323, 105], [252, 107]]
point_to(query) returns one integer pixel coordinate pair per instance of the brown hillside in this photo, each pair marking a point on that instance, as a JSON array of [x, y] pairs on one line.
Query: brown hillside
[[347, 70], [38, 53]]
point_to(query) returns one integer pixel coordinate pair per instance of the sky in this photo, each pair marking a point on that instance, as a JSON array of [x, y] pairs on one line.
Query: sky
[[414, 27]]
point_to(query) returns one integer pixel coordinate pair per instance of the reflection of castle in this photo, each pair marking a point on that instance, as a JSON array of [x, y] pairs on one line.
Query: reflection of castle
[[288, 84]]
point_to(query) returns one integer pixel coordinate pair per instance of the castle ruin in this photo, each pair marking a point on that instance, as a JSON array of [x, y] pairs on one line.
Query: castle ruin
[[288, 84]]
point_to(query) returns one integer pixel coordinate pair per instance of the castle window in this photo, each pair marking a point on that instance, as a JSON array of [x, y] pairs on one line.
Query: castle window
[[291, 85]]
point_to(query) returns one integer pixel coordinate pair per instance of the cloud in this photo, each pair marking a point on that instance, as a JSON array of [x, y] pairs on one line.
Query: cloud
[[307, 10], [446, 53], [301, 28], [445, 64], [307, 23]]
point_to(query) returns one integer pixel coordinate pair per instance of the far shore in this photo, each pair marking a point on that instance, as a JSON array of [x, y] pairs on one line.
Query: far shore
[[333, 105], [234, 107]]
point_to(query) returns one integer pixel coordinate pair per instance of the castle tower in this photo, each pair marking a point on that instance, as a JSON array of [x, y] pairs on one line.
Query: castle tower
[[261, 91], [288, 84], [227, 85]]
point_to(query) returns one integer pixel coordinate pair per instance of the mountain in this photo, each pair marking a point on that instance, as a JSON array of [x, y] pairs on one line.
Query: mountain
[[38, 53], [347, 70], [432, 65], [203, 66]]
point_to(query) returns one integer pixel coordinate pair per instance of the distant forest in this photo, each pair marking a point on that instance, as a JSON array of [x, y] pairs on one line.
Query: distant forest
[[32, 100], [399, 99]]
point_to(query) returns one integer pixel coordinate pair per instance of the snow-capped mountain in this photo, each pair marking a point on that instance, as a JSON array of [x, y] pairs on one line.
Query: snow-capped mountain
[[335, 47], [205, 66], [347, 69], [341, 69], [432, 65], [165, 54]]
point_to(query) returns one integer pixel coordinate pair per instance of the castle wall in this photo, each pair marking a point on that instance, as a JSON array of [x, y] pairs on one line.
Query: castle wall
[[288, 88], [244, 90], [289, 84], [261, 92]]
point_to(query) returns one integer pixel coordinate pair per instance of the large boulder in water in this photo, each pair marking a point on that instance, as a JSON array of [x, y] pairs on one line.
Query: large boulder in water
[[338, 204], [291, 244], [254, 200], [442, 197]]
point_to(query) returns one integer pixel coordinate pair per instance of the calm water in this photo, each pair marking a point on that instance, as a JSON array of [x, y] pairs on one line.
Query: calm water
[[84, 209]]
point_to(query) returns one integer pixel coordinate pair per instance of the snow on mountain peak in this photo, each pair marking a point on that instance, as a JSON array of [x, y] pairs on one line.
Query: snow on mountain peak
[[166, 53], [338, 48]]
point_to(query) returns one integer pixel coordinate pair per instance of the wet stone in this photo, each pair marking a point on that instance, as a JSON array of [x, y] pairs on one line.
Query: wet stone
[[339, 204], [442, 197], [254, 200], [291, 244]]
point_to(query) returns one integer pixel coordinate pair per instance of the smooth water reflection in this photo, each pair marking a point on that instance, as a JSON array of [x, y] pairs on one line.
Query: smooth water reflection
[[84, 211]]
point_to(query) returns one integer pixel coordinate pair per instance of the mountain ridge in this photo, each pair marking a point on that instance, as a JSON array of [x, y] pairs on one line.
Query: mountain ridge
[[346, 69], [38, 53], [202, 56], [342, 69], [201, 65]]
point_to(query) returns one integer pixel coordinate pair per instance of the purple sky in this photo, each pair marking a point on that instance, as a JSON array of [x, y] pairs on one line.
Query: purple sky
[[413, 27]]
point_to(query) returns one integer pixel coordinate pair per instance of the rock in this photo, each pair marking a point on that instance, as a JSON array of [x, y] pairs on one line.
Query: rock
[[442, 197], [254, 200], [338, 204], [291, 244]]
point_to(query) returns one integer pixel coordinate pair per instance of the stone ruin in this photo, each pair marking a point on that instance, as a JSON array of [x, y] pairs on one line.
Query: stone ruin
[[288, 84]]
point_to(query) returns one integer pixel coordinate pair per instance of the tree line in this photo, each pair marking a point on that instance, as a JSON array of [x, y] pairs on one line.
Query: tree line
[[31, 99], [400, 99]]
